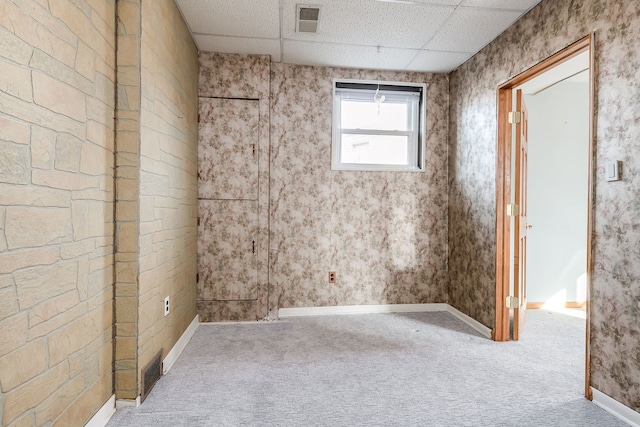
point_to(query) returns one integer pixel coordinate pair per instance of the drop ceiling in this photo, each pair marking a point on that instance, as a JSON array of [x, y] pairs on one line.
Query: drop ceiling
[[418, 35]]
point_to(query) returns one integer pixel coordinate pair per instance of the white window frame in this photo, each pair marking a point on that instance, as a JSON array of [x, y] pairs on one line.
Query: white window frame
[[364, 89]]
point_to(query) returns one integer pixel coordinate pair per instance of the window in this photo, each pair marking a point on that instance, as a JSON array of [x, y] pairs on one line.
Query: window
[[378, 126]]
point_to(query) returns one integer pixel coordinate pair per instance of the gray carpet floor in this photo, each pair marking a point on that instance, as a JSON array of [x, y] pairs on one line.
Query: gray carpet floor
[[417, 369]]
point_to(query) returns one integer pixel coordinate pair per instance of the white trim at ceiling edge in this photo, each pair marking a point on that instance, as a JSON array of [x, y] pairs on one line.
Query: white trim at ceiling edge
[[383, 308], [616, 408], [104, 414], [180, 345]]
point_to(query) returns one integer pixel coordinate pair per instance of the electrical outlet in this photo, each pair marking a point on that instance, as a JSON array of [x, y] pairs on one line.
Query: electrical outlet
[[332, 277], [166, 306]]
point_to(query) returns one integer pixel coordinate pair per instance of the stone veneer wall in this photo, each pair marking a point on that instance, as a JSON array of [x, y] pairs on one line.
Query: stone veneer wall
[[127, 199], [156, 190], [61, 246], [550, 26], [168, 178], [57, 73]]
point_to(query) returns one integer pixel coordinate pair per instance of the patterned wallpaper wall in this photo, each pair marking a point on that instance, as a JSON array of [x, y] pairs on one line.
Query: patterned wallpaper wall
[[384, 233], [236, 77], [552, 25]]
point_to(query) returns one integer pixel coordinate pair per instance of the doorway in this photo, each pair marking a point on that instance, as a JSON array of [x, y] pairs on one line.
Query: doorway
[[557, 185], [510, 289]]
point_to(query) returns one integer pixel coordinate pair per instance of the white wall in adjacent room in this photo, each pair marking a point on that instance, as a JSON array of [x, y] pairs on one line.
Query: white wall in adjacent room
[[557, 194]]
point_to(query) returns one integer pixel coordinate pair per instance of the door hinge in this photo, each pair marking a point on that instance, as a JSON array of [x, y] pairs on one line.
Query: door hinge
[[515, 117], [197, 277], [198, 221], [253, 247], [513, 209], [198, 117], [512, 302], [254, 149]]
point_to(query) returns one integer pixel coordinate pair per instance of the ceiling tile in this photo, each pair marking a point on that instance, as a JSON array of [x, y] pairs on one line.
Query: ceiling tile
[[351, 30], [370, 22], [221, 44], [437, 62], [469, 29], [350, 56], [246, 18], [502, 4]]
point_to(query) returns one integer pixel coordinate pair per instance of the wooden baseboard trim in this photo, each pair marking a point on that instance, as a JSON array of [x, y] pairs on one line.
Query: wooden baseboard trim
[[569, 304]]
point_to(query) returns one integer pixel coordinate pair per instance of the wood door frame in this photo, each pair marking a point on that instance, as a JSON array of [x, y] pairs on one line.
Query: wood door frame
[[503, 186], [520, 221]]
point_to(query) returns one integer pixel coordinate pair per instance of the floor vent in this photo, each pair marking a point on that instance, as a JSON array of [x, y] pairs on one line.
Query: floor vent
[[151, 374], [308, 17]]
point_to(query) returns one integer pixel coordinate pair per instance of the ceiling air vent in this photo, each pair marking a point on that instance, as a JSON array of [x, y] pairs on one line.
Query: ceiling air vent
[[307, 18]]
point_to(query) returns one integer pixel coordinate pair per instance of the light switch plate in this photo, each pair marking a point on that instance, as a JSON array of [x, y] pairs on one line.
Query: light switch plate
[[612, 171]]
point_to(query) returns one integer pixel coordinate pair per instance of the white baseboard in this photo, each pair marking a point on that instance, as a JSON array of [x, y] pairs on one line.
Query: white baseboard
[[616, 408], [167, 363], [173, 355], [383, 308], [358, 309], [104, 414], [236, 322], [470, 321], [127, 403]]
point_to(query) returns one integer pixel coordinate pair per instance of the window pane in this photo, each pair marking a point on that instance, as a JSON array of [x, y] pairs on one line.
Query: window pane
[[374, 136], [365, 115], [374, 149]]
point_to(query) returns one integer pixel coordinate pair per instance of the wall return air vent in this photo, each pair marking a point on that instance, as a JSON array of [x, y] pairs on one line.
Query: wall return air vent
[[150, 375], [307, 17]]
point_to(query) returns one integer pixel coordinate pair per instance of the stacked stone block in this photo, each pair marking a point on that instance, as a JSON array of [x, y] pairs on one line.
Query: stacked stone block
[[168, 179], [57, 77], [97, 200], [127, 205]]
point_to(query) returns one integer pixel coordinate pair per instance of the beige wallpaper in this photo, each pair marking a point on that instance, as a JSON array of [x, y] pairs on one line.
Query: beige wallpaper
[[383, 233], [239, 175], [549, 27]]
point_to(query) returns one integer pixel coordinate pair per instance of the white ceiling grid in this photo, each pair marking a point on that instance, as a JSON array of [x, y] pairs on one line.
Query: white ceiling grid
[[417, 35]]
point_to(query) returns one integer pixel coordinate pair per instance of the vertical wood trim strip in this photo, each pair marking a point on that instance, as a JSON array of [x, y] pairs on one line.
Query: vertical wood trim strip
[[590, 212], [503, 225]]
